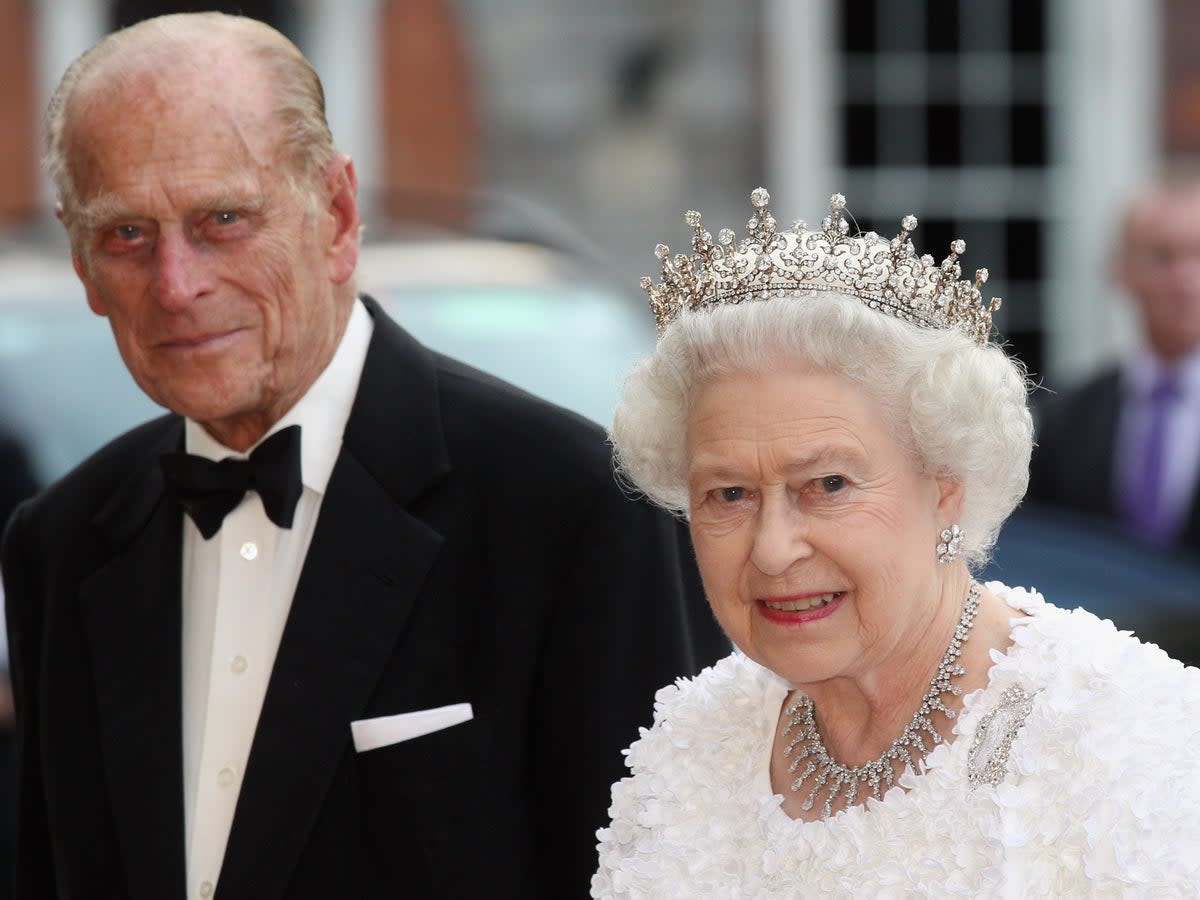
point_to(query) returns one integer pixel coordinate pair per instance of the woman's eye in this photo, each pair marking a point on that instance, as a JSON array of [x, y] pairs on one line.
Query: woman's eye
[[226, 217], [831, 484], [128, 232], [731, 494]]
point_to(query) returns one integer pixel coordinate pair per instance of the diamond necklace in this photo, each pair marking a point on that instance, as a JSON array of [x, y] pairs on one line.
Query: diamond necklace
[[832, 775]]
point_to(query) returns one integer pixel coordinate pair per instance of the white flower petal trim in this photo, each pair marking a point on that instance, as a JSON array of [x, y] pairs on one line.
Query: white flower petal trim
[[1100, 794]]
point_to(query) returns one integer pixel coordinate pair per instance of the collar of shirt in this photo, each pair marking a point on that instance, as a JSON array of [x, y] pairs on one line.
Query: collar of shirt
[[1144, 368], [322, 412]]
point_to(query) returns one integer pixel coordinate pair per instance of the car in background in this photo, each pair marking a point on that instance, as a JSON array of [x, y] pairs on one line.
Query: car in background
[[518, 310], [1076, 560], [63, 388]]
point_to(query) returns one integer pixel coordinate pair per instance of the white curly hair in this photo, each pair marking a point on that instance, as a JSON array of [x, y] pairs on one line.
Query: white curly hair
[[959, 408]]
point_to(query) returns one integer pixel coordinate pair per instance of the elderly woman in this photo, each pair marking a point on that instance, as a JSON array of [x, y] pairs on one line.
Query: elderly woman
[[830, 415]]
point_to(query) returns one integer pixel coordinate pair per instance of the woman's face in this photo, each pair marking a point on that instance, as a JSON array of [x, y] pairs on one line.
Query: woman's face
[[814, 530]]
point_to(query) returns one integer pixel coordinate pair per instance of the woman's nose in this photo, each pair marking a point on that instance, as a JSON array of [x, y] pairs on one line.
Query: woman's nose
[[781, 536]]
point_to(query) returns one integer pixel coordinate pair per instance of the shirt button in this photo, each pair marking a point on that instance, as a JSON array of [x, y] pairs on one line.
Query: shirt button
[[206, 889], [238, 665], [225, 777], [249, 550]]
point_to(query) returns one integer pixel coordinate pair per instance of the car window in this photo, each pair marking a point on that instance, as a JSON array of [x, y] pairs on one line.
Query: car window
[[63, 386], [571, 346]]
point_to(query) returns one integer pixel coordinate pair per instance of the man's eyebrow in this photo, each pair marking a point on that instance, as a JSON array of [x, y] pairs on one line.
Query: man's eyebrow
[[107, 209], [101, 210], [233, 201]]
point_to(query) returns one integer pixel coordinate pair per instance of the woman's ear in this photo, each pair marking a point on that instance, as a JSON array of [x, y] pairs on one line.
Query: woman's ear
[[950, 498]]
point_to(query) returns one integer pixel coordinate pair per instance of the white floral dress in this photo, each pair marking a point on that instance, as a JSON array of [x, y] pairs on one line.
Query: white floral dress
[[1098, 795]]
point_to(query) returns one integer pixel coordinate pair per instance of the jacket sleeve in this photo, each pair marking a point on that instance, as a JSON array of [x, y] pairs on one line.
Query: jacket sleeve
[[631, 619], [34, 869]]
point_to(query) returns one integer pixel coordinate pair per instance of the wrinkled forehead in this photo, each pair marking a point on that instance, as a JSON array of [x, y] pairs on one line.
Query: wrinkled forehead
[[146, 118]]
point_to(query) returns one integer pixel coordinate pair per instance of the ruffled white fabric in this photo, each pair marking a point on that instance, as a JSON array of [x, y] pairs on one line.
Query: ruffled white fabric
[[1101, 796]]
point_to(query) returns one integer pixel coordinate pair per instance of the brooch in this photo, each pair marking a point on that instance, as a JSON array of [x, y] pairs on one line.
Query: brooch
[[987, 761]]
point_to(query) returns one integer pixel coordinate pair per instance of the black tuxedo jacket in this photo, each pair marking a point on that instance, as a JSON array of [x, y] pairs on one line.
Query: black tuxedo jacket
[[1074, 463], [472, 546]]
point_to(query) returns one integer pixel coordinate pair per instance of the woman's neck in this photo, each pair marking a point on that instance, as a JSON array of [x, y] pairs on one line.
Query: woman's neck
[[862, 712], [858, 718]]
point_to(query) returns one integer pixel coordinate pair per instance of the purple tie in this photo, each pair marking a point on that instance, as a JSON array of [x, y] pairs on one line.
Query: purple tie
[[1144, 504]]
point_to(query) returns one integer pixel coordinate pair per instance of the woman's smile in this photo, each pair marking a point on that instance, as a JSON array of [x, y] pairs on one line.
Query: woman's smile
[[803, 608]]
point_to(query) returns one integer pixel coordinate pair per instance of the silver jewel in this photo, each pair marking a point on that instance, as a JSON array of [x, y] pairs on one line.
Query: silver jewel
[[950, 545], [807, 748], [887, 276], [987, 761]]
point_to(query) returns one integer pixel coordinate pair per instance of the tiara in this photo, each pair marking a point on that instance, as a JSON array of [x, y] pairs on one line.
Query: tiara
[[885, 275]]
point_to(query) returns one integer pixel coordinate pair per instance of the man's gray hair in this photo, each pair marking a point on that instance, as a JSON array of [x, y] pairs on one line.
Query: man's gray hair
[[307, 143]]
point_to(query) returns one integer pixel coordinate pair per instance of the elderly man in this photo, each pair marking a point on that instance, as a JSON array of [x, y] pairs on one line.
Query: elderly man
[[1126, 445], [390, 645]]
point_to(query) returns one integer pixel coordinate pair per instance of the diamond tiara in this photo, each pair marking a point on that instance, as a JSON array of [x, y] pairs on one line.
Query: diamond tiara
[[885, 275]]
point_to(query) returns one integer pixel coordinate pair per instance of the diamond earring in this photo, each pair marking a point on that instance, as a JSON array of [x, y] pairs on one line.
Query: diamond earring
[[950, 544]]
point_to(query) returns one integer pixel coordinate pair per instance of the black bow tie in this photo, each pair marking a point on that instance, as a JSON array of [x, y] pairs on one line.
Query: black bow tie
[[208, 490]]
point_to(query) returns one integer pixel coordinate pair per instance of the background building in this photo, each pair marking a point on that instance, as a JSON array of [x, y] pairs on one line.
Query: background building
[[1019, 125]]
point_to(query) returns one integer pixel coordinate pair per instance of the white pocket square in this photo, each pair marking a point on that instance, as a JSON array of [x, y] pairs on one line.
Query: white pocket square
[[371, 734]]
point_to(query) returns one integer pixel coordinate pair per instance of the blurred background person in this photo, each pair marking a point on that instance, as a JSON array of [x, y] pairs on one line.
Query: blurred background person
[[1125, 445]]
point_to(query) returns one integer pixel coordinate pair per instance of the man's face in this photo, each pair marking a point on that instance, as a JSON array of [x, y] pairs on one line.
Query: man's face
[[1160, 267], [218, 277]]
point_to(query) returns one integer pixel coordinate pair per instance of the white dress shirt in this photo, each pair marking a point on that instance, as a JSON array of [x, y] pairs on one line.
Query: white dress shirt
[[237, 592], [1182, 449]]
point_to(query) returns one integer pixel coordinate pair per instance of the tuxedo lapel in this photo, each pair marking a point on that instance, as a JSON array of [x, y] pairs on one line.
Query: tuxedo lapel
[[365, 567], [132, 617]]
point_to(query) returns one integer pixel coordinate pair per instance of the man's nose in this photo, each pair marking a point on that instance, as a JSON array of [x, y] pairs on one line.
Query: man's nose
[[179, 271], [781, 535]]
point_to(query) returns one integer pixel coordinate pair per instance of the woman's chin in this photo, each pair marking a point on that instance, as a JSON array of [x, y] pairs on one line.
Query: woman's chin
[[802, 663]]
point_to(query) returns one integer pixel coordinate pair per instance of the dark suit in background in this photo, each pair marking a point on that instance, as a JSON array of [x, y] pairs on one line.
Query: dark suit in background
[[17, 478], [1075, 465], [1093, 442], [17, 482]]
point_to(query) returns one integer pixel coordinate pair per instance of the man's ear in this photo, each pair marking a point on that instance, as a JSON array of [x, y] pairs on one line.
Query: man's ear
[[341, 188]]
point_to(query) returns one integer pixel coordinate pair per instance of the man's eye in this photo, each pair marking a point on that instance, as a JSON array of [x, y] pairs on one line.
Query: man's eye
[[831, 484], [226, 217], [731, 494], [128, 232]]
